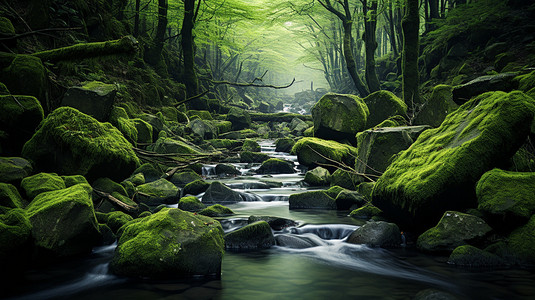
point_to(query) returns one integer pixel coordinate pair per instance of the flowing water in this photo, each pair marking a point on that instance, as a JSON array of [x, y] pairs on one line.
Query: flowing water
[[314, 262]]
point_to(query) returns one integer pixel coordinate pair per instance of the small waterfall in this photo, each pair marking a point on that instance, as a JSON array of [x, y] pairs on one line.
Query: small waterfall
[[208, 170], [327, 232]]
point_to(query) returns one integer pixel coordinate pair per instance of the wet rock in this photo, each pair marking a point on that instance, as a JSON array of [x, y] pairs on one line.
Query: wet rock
[[195, 187], [439, 105], [470, 256], [284, 145], [63, 221], [70, 142], [190, 203], [431, 294], [183, 178], [240, 118], [116, 190], [318, 176], [377, 234], [440, 170], [453, 230], [276, 166], [253, 157], [257, 235], [275, 223], [339, 117], [250, 145], [312, 200], [93, 98], [42, 182], [216, 210], [220, 193], [157, 192], [226, 170], [203, 129], [347, 199], [9, 196], [294, 241], [312, 151], [169, 244], [499, 82], [14, 169], [19, 117], [382, 105]]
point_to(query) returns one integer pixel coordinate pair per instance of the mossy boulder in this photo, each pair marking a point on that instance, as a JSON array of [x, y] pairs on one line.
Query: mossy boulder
[[239, 118], [93, 98], [222, 126], [144, 131], [377, 234], [345, 179], [116, 190], [500, 82], [183, 178], [313, 151], [520, 244], [347, 199], [40, 183], [14, 169], [203, 114], [376, 147], [439, 105], [298, 126], [149, 171], [15, 240], [339, 116], [157, 192], [276, 166], [318, 176], [225, 143], [9, 196], [454, 229], [382, 105], [253, 157], [284, 145], [275, 223], [169, 244], [257, 235], [366, 189], [226, 170], [240, 134], [439, 171], [195, 187], [26, 75], [250, 145], [64, 222], [19, 117], [312, 200], [220, 193], [509, 197], [470, 256], [165, 145], [365, 212], [190, 203], [6, 27], [116, 219], [203, 128], [69, 142], [71, 180], [216, 210], [135, 179]]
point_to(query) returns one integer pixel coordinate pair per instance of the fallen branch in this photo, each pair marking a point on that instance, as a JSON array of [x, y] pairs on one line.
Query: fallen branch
[[254, 84], [191, 98], [110, 198]]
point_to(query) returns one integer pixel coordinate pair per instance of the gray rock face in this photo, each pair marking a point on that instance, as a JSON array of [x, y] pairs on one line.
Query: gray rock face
[[377, 234], [257, 235], [499, 82], [93, 98]]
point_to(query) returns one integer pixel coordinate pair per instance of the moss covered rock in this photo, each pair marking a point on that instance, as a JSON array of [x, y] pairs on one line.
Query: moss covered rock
[[250, 145], [253, 157], [203, 114], [26, 75], [312, 151], [220, 193], [454, 229], [439, 105], [149, 171], [521, 242], [318, 176], [169, 244], [377, 234], [499, 82], [240, 134], [183, 178], [116, 219], [64, 222], [157, 192], [14, 169], [339, 117], [366, 212], [382, 105], [71, 180], [257, 235], [276, 166], [144, 131], [470, 256], [239, 118], [195, 187], [42, 182], [225, 143], [9, 196], [508, 196], [15, 237], [19, 117], [216, 210], [345, 179], [312, 200], [226, 170], [284, 145], [439, 171], [93, 98], [203, 128], [222, 126], [190, 203], [165, 145], [275, 223], [347, 199], [69, 142]]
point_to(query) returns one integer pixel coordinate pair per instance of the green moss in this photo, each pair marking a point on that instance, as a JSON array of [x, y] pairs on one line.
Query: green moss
[[507, 194], [309, 132], [116, 219], [382, 105], [169, 113], [318, 177], [157, 192], [250, 145], [15, 233], [439, 171], [439, 105], [145, 214], [14, 169], [73, 180], [345, 179], [26, 75], [393, 121], [366, 212], [521, 242], [366, 189], [216, 210], [239, 118], [19, 117], [225, 143], [137, 179], [257, 235], [470, 256], [150, 172], [42, 182], [144, 131], [108, 186], [284, 145], [253, 157], [6, 28], [222, 126], [9, 196], [4, 90], [183, 178], [190, 203], [195, 187], [312, 200], [307, 150], [169, 244], [276, 166], [203, 114], [81, 145], [166, 145]]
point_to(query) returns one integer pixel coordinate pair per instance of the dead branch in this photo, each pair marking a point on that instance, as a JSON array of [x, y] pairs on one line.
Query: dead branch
[[191, 98], [122, 205], [254, 84]]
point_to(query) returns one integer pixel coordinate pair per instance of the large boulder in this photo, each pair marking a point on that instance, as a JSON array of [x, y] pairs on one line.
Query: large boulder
[[377, 234], [190, 203], [183, 178], [276, 166], [165, 145], [275, 223], [509, 197], [158, 192], [439, 105], [203, 128], [376, 147], [312, 200], [253, 157], [439, 171], [520, 244], [70, 142], [15, 238], [169, 244], [382, 105], [40, 183], [470, 256], [64, 222], [239, 118], [216, 210], [14, 169], [220, 193], [339, 117], [284, 145], [9, 196], [298, 126], [93, 98], [318, 177], [19, 117], [454, 229], [312, 152], [195, 187], [500, 82], [348, 199], [257, 235]]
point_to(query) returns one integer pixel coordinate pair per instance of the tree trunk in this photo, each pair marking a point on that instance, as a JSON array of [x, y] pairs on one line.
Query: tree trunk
[[433, 15], [370, 40], [410, 25], [190, 77], [392, 31], [154, 55], [136, 19], [350, 61]]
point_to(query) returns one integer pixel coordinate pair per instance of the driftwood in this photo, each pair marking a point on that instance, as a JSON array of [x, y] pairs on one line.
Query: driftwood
[[121, 204]]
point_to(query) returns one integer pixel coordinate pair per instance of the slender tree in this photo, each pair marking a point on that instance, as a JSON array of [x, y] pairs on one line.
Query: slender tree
[[190, 77], [411, 25], [370, 41]]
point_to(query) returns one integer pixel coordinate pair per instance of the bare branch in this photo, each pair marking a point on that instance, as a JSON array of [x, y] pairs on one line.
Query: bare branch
[[254, 84]]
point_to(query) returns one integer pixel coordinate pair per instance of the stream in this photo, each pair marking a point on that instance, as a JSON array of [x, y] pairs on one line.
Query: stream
[[326, 267]]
